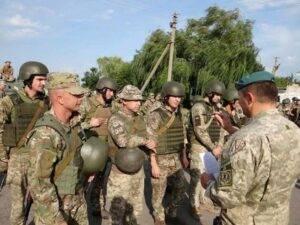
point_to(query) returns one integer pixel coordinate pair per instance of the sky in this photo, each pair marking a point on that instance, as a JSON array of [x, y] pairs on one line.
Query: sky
[[70, 35]]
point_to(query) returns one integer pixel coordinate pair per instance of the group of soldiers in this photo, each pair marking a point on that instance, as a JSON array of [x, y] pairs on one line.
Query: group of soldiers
[[51, 162], [291, 109]]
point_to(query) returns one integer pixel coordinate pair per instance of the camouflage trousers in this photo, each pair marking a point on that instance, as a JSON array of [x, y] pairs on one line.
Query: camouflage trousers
[[172, 176], [3, 156], [17, 179], [73, 208], [196, 192], [127, 192]]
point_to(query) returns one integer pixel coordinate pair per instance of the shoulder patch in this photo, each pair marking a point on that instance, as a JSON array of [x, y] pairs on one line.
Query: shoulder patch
[[237, 146]]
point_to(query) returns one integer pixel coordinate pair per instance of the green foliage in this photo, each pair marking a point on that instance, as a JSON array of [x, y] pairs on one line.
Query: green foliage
[[217, 46], [283, 82], [90, 78]]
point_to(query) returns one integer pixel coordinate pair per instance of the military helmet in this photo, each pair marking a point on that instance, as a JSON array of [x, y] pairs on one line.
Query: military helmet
[[106, 82], [294, 99], [32, 68], [94, 154], [172, 88], [214, 86], [286, 101], [129, 160], [230, 95], [131, 93], [197, 98]]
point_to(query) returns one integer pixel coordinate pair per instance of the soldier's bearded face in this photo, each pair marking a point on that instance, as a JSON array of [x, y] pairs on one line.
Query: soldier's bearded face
[[38, 83], [174, 102], [132, 106]]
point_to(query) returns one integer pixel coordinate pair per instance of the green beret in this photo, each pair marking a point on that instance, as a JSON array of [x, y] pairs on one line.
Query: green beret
[[257, 77]]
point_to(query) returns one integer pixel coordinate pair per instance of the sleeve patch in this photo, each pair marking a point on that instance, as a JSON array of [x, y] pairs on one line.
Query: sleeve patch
[[197, 121]]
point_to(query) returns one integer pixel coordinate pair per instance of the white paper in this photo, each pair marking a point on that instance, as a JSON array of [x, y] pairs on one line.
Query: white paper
[[211, 165]]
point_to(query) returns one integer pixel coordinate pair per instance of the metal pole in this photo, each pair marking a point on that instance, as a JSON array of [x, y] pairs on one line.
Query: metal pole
[[173, 27], [155, 67]]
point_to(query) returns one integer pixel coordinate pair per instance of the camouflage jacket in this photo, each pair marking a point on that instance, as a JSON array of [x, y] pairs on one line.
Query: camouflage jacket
[[118, 131], [201, 120], [47, 148], [259, 167]]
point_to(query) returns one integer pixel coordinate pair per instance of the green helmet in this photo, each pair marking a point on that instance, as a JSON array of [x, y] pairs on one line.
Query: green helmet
[[94, 154], [197, 98], [172, 88], [230, 95], [286, 101], [106, 82], [129, 160], [32, 68], [214, 86]]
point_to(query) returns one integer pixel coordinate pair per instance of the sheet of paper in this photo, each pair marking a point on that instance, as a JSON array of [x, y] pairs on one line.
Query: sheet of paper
[[211, 165]]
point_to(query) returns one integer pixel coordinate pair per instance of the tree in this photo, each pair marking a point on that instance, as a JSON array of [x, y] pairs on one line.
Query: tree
[[117, 69], [216, 46], [91, 78]]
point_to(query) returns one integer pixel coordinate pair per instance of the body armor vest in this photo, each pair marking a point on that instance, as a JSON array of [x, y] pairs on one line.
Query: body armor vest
[[70, 178], [172, 140], [135, 126], [22, 115], [101, 111], [214, 129]]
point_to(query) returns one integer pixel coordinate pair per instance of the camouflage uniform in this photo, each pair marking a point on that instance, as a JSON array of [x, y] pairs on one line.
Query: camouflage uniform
[[254, 187], [55, 174], [206, 135], [126, 131], [7, 73], [16, 166], [94, 106], [171, 172]]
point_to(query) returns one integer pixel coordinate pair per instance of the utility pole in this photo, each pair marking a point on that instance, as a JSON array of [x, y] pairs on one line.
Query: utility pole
[[276, 65], [172, 42], [155, 68]]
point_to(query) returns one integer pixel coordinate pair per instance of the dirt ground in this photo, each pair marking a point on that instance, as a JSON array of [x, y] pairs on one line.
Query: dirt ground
[[184, 217]]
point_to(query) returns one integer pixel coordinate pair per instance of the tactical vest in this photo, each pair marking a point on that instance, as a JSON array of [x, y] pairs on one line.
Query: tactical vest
[[22, 115], [213, 130], [172, 139], [102, 112], [68, 179], [135, 126]]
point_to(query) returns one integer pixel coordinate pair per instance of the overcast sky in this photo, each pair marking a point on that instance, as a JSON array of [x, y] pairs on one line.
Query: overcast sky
[[70, 35]]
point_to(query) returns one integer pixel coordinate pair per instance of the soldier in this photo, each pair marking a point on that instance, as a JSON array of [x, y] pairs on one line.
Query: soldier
[[2, 88], [295, 111], [166, 126], [127, 130], [55, 174], [7, 72], [97, 110], [148, 104], [207, 138], [253, 186], [231, 105], [19, 112], [286, 108]]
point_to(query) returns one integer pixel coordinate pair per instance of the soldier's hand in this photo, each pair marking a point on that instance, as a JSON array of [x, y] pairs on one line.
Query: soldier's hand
[[217, 151], [151, 145], [155, 171], [205, 179], [184, 160], [224, 121], [96, 122]]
